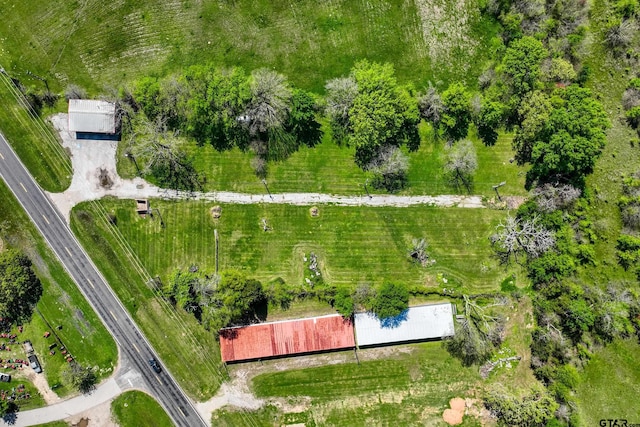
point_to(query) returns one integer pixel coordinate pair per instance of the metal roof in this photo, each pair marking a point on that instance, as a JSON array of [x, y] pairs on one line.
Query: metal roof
[[90, 115], [286, 337], [416, 323]]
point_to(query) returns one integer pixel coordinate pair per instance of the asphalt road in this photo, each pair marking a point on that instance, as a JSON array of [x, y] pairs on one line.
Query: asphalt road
[[133, 345]]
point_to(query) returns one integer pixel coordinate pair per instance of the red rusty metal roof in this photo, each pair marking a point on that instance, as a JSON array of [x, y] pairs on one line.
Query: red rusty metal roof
[[284, 338]]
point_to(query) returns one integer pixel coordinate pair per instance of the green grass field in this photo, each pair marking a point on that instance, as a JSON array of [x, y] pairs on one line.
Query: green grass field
[[61, 304], [100, 45], [35, 401], [138, 409], [34, 140], [329, 168], [609, 383], [180, 341], [409, 387], [353, 244]]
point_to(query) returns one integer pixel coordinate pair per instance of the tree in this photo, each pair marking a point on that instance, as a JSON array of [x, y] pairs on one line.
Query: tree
[[343, 301], [461, 163], [571, 140], [382, 114], [341, 92], [534, 410], [533, 115], [619, 34], [457, 114], [74, 92], [551, 197], [431, 106], [301, 122], [559, 70], [522, 64], [488, 121], [391, 300], [270, 101], [162, 157], [20, 288], [217, 99], [628, 251], [519, 236], [476, 335], [240, 295], [80, 378], [389, 169]]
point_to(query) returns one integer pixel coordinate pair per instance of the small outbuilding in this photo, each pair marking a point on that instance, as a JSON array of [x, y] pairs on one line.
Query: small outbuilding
[[93, 119], [421, 323]]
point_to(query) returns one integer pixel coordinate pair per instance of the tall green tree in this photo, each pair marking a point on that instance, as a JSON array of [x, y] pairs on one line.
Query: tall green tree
[[488, 121], [382, 114], [522, 64], [20, 288], [301, 122], [456, 117], [571, 140], [390, 300]]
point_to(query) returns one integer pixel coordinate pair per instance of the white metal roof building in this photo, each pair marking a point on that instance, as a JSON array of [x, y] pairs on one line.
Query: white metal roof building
[[91, 116], [424, 322]]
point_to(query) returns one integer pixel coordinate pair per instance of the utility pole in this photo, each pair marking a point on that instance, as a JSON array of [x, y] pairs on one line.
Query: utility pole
[[130, 156], [160, 215]]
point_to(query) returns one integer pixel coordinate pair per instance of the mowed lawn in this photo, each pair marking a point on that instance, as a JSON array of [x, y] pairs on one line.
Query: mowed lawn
[[61, 304], [138, 409], [610, 384], [180, 341], [353, 244], [34, 140], [405, 388], [330, 168], [101, 45]]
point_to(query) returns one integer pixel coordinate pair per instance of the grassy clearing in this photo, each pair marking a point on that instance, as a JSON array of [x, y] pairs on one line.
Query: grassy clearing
[[99, 44], [329, 168], [33, 139], [609, 382], [353, 244], [61, 304], [408, 387], [180, 341], [138, 409]]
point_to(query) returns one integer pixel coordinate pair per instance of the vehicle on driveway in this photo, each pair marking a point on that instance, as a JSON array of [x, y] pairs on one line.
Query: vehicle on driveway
[[35, 364], [155, 365]]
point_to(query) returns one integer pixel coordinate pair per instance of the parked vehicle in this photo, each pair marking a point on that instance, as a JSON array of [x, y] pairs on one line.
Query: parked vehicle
[[35, 364], [5, 377]]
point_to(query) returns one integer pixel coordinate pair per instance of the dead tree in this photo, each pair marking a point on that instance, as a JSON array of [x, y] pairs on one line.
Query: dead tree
[[516, 237]]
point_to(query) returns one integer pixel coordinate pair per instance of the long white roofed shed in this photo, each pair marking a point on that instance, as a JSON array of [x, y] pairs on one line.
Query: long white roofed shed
[[426, 322], [92, 116]]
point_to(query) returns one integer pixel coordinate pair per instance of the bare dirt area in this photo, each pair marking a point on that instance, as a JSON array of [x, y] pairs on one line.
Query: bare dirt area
[[40, 381], [98, 416]]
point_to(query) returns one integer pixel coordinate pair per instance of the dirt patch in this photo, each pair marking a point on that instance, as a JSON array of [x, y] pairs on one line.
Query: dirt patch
[[454, 415], [104, 179], [98, 416], [216, 212], [40, 382]]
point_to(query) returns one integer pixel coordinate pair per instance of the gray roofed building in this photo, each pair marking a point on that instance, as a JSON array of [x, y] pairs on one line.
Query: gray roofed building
[[89, 117], [433, 321]]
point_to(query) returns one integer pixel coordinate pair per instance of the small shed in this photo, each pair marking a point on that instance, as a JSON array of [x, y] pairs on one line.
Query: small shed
[[421, 323], [93, 119], [142, 207]]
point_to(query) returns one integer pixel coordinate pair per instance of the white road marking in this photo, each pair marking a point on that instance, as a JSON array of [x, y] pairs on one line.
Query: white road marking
[[91, 283], [24, 188], [45, 218], [136, 347], [113, 315], [2, 156], [183, 413], [68, 251], [158, 378]]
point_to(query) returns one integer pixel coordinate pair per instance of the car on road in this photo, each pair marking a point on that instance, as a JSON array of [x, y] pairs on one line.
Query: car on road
[[35, 364], [5, 378], [155, 365]]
